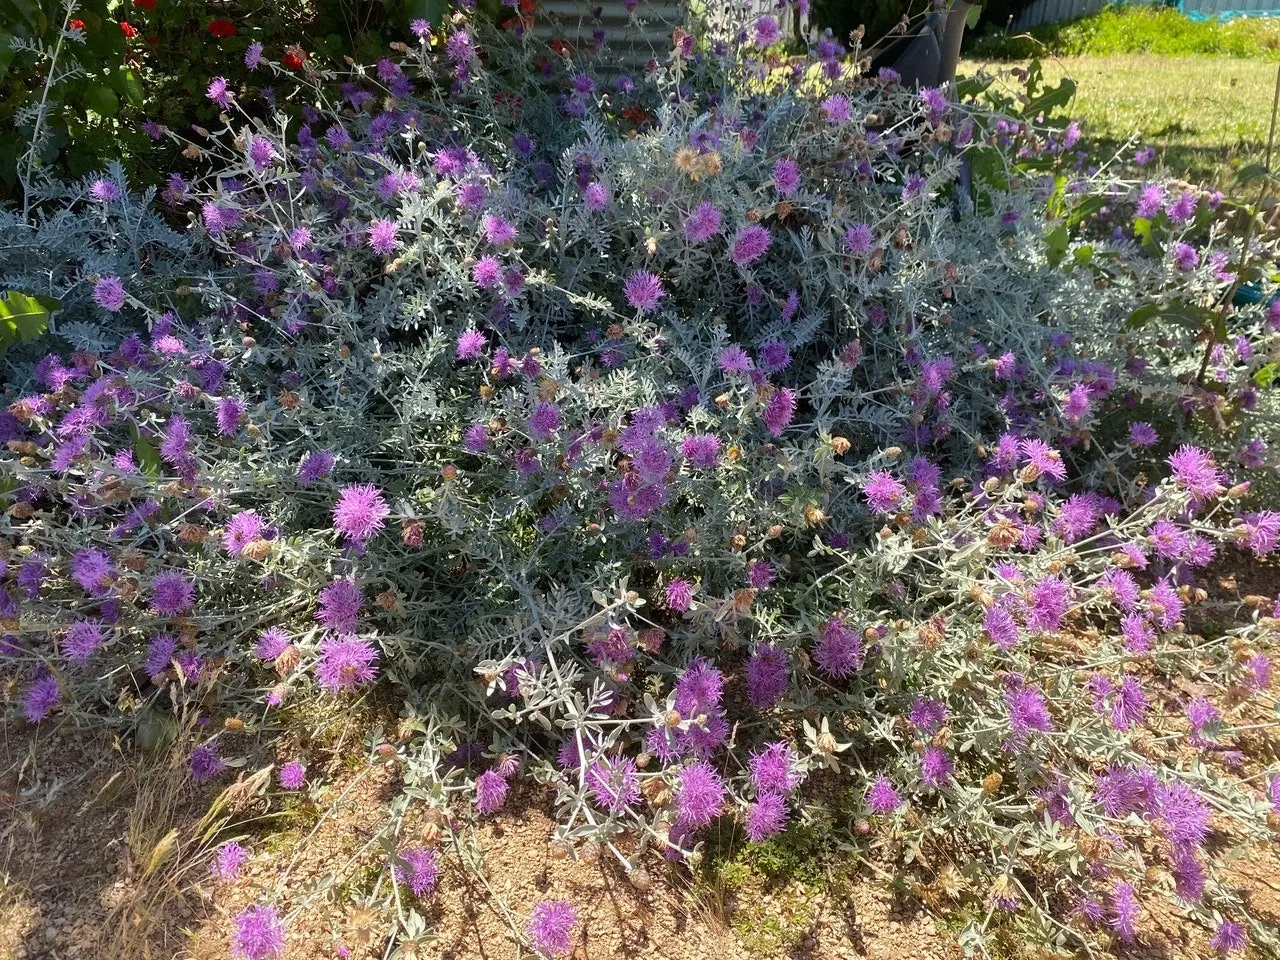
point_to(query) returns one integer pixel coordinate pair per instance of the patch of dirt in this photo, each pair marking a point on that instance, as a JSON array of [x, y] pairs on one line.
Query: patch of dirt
[[70, 879]]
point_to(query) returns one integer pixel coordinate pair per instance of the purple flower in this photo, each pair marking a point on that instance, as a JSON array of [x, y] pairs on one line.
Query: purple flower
[[551, 927], [1142, 434], [316, 465], [702, 224], [859, 239], [733, 359], [339, 606], [767, 817], [760, 574], [774, 356], [172, 594], [1042, 459], [219, 92], [1028, 713], [767, 672], [259, 933], [927, 714], [160, 653], [1185, 257], [227, 861], [750, 244], [1260, 531], [643, 290], [261, 152], [1150, 200], [346, 662], [231, 411], [786, 176], [476, 438], [882, 798], [544, 420], [1049, 600], [679, 595], [105, 191], [595, 197], [1164, 605], [883, 492], [1228, 938], [382, 236], [614, 783], [497, 230], [1129, 704], [271, 643], [779, 410], [699, 795], [360, 512], [491, 791], [1195, 471], [837, 109], [767, 32], [418, 869], [1183, 815], [108, 293], [1123, 912], [471, 344], [935, 767], [773, 769], [292, 776], [83, 638], [94, 571], [838, 651], [487, 274], [701, 450], [253, 56], [39, 699], [204, 763]]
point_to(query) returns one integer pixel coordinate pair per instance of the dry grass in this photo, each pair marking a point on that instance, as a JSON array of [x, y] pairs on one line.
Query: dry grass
[[1207, 116]]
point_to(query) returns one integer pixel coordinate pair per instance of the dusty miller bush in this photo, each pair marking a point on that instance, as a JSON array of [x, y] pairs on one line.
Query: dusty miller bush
[[673, 441]]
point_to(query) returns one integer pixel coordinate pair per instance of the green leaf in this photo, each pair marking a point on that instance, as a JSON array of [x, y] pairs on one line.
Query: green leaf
[[1083, 255], [971, 18], [1195, 318], [127, 82], [1250, 173], [1265, 376], [102, 100], [1056, 243], [1052, 98], [24, 317], [148, 458]]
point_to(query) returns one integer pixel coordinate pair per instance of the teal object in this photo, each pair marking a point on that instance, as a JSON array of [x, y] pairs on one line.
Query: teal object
[[1247, 294]]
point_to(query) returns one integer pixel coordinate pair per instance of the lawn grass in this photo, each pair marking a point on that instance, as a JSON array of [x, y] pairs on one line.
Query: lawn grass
[[1206, 116]]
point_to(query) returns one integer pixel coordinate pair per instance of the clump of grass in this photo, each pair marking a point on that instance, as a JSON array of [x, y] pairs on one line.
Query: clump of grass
[[1206, 117], [1118, 31]]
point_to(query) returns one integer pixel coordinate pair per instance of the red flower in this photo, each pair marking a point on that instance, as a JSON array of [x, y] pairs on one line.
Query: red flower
[[222, 29], [76, 25], [145, 4], [129, 29], [153, 41], [292, 60]]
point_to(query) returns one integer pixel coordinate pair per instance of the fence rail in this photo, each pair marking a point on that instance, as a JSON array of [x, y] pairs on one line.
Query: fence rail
[[1057, 11]]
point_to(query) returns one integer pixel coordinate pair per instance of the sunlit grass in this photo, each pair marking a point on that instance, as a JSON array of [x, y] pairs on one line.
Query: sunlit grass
[[1206, 116]]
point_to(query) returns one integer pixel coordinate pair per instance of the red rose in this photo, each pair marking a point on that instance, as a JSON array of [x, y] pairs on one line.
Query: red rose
[[129, 29], [145, 4], [222, 29], [76, 25], [292, 60]]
